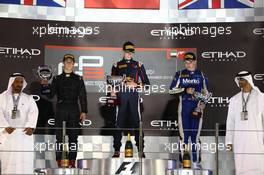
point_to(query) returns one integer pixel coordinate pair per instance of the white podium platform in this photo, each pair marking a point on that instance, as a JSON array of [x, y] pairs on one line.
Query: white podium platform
[[61, 171], [132, 166], [189, 172], [127, 166]]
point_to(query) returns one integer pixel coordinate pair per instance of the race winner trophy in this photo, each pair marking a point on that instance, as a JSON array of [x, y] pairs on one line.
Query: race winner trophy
[[44, 72], [114, 82], [176, 91], [202, 98]]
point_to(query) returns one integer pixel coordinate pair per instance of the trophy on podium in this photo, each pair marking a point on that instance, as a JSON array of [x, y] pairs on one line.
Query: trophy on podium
[[114, 82], [44, 72]]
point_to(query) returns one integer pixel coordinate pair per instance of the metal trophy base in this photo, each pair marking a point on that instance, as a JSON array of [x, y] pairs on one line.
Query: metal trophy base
[[189, 172], [127, 166], [65, 171], [45, 89], [61, 171]]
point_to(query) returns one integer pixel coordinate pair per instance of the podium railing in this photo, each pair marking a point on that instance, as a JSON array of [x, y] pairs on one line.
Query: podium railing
[[217, 135]]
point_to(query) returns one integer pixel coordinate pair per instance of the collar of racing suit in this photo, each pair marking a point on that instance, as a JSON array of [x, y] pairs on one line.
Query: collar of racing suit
[[67, 74]]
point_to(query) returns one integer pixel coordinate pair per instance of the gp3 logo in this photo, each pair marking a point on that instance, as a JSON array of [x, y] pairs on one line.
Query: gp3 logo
[[89, 67]]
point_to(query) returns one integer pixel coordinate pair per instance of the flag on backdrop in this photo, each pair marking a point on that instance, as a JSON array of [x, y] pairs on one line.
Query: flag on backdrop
[[214, 4], [51, 3]]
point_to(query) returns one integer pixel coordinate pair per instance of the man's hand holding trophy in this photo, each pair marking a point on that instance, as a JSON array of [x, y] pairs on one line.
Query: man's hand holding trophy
[[202, 97], [114, 84], [45, 74]]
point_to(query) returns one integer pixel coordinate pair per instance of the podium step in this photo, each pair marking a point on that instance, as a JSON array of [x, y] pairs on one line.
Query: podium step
[[189, 172], [128, 166], [112, 166], [61, 171]]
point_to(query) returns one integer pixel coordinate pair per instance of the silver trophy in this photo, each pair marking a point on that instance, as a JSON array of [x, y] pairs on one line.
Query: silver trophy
[[176, 91], [44, 72], [114, 82], [202, 98]]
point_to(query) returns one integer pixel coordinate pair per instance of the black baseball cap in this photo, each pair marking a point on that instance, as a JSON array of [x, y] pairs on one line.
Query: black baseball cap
[[128, 47], [189, 56]]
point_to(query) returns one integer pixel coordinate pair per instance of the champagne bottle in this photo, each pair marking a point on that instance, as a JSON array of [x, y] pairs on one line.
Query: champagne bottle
[[186, 159], [128, 147], [64, 158], [65, 154]]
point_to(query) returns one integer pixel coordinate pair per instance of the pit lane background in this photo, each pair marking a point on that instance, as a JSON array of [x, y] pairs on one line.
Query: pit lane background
[[223, 49]]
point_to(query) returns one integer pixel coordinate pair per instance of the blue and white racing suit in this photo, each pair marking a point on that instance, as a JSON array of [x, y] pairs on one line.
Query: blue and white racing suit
[[189, 126]]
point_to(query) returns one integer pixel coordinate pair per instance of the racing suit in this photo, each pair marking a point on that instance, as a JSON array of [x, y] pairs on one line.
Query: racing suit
[[189, 126], [70, 91], [128, 110]]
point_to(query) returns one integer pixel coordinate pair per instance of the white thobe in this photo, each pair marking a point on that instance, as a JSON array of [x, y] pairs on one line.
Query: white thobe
[[16, 149], [247, 136]]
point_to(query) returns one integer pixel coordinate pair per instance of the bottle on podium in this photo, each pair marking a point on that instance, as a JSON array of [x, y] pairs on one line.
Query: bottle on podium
[[186, 159], [65, 159], [65, 154], [128, 147]]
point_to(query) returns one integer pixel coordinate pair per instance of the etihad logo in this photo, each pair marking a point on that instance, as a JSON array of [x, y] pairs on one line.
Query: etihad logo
[[259, 32], [224, 56], [259, 77], [219, 101], [14, 52], [164, 124], [85, 123]]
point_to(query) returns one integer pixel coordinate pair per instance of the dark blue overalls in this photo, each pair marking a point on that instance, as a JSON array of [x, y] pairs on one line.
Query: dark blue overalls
[[128, 110]]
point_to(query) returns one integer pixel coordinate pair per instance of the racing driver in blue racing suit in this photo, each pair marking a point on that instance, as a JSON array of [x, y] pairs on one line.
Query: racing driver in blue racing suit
[[189, 81]]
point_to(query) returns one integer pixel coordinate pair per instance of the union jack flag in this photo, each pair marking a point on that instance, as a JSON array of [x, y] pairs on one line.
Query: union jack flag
[[52, 3], [214, 4]]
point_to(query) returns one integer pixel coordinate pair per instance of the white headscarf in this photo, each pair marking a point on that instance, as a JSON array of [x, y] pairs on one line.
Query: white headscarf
[[12, 79], [247, 76]]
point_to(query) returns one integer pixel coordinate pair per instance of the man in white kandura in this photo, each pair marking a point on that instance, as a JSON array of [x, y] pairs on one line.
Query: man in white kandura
[[18, 118], [245, 123]]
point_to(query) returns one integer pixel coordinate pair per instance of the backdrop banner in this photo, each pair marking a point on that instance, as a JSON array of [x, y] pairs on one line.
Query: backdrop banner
[[223, 49]]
